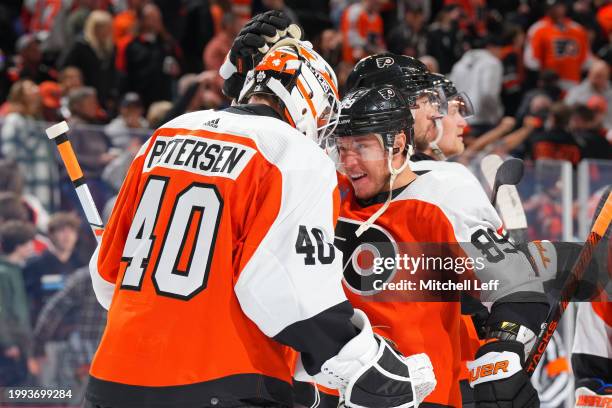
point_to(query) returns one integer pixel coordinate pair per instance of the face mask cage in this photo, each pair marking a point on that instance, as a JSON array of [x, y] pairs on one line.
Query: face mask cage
[[326, 125]]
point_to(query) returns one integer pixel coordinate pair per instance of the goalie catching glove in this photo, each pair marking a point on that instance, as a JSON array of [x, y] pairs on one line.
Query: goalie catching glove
[[251, 44], [368, 372]]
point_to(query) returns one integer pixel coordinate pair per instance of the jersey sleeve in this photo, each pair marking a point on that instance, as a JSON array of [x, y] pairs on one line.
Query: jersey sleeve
[[290, 278], [534, 47], [104, 263], [479, 231]]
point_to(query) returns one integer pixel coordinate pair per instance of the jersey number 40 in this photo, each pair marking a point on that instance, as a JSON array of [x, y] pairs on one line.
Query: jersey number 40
[[191, 229]]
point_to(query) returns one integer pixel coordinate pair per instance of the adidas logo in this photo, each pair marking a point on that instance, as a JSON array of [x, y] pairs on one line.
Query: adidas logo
[[213, 123]]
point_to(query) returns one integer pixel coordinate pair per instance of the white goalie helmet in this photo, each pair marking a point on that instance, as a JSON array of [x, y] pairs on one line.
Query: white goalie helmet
[[304, 83]]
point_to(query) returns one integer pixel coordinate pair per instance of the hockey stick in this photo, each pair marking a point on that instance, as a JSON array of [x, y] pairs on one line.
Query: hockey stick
[[600, 226], [57, 133], [506, 195]]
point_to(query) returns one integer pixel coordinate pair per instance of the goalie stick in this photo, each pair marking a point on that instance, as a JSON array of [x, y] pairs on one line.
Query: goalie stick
[[57, 133], [506, 196], [598, 230]]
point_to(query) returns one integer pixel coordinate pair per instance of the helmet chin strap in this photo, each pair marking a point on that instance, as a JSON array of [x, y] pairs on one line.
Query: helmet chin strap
[[433, 145], [394, 173]]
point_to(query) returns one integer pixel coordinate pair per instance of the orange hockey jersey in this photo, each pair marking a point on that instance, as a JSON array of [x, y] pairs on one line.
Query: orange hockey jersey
[[562, 48], [444, 205], [219, 246]]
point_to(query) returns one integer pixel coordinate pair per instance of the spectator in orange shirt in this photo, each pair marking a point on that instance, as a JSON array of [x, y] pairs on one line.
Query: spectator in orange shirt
[[555, 42], [362, 30]]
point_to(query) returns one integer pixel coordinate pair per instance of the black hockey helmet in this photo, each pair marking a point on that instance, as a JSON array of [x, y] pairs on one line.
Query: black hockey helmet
[[407, 74], [380, 109], [447, 85], [460, 100]]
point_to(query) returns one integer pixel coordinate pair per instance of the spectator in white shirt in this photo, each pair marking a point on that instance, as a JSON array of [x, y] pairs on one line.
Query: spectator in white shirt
[[479, 73]]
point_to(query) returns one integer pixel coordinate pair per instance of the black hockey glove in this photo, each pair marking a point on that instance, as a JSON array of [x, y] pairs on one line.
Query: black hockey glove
[[498, 377], [251, 44]]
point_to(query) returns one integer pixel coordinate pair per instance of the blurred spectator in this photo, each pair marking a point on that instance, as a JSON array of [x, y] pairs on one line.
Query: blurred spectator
[[15, 329], [157, 112], [430, 62], [217, 48], [479, 73], [597, 82], [115, 171], [78, 15], [95, 56], [29, 61], [51, 95], [69, 78], [409, 36], [46, 274], [362, 30], [330, 46], [12, 182], [555, 42], [129, 121], [589, 134], [76, 301], [12, 207], [125, 22], [555, 141], [90, 145], [444, 39], [547, 85], [23, 140], [196, 92], [44, 13], [281, 5], [151, 59], [192, 25], [514, 72]]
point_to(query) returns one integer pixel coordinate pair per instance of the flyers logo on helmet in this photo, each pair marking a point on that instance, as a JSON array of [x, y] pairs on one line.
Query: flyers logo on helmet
[[486, 370], [383, 62], [387, 93]]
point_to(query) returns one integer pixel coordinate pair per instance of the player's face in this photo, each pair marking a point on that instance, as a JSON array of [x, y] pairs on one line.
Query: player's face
[[425, 110], [364, 162], [453, 125]]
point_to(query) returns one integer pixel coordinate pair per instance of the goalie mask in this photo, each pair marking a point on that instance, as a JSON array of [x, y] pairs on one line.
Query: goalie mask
[[304, 85]]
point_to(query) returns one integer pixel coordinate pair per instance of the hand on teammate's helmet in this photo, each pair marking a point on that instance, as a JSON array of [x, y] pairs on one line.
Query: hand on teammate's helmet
[[251, 44], [498, 377]]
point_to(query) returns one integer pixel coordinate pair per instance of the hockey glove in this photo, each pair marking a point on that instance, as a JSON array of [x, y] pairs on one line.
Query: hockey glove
[[251, 44], [593, 392], [498, 377], [368, 372]]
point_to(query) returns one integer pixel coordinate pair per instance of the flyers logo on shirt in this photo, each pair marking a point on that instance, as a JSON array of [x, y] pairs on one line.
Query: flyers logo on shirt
[[565, 47], [359, 253]]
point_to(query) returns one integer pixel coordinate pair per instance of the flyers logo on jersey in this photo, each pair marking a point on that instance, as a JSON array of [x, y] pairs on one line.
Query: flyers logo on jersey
[[383, 62], [565, 47], [487, 370]]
